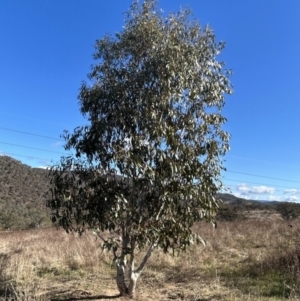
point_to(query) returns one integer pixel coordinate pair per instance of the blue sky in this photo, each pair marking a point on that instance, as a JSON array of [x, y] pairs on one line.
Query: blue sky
[[46, 52]]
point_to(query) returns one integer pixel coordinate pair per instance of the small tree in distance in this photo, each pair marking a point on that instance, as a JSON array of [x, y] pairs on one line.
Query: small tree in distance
[[148, 164]]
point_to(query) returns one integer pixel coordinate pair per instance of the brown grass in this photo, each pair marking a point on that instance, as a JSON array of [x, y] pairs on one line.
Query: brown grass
[[249, 260]]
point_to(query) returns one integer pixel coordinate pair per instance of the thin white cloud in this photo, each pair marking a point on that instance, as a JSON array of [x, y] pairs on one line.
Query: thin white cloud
[[56, 144], [292, 198], [248, 196], [266, 193], [44, 162], [245, 189], [43, 167], [291, 191], [272, 197]]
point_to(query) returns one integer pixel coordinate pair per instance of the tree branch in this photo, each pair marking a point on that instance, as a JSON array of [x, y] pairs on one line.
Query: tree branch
[[146, 257]]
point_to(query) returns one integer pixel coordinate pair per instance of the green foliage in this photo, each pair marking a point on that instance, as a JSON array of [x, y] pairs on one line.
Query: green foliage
[[288, 210], [228, 213], [148, 162]]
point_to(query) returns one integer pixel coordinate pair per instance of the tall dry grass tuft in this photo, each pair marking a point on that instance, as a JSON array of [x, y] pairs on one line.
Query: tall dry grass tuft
[[244, 260], [40, 260], [286, 262]]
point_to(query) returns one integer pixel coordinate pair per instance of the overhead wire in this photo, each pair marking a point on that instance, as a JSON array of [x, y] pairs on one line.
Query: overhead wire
[[47, 121], [259, 176], [25, 156], [230, 171], [262, 161], [225, 179], [264, 186], [228, 187], [34, 119], [40, 149], [32, 134], [249, 182]]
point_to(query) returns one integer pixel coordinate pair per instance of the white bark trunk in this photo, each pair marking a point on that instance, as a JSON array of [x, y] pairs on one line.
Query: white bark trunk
[[132, 283], [121, 279], [123, 289], [133, 273]]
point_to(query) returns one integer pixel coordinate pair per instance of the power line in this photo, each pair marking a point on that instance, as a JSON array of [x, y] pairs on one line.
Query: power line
[[237, 172], [32, 134], [266, 177], [45, 150], [230, 156], [247, 185], [28, 156], [275, 191], [262, 161], [247, 182], [34, 119], [48, 137]]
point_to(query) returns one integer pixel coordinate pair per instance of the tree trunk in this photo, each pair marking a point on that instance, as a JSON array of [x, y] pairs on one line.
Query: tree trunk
[[132, 283], [133, 273], [123, 288], [121, 279]]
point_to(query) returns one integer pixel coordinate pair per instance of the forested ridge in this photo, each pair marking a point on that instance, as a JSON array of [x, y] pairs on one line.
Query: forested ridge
[[22, 195]]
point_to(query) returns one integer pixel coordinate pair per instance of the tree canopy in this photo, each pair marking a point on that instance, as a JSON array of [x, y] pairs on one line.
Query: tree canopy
[[147, 165]]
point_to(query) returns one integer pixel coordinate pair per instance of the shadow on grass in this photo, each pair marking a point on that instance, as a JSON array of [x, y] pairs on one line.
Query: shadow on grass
[[252, 281], [262, 279], [97, 297]]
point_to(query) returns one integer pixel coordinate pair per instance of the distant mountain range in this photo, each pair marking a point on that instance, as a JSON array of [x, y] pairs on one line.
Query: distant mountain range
[[23, 194], [228, 198]]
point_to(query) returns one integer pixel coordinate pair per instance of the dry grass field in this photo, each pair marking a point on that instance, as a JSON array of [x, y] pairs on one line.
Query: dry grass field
[[255, 259]]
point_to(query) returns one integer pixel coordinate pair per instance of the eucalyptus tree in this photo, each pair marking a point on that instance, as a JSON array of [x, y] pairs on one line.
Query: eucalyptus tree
[[147, 164]]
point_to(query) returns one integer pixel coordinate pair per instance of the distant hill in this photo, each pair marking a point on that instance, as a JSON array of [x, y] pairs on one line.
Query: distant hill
[[23, 194], [228, 198], [234, 208]]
